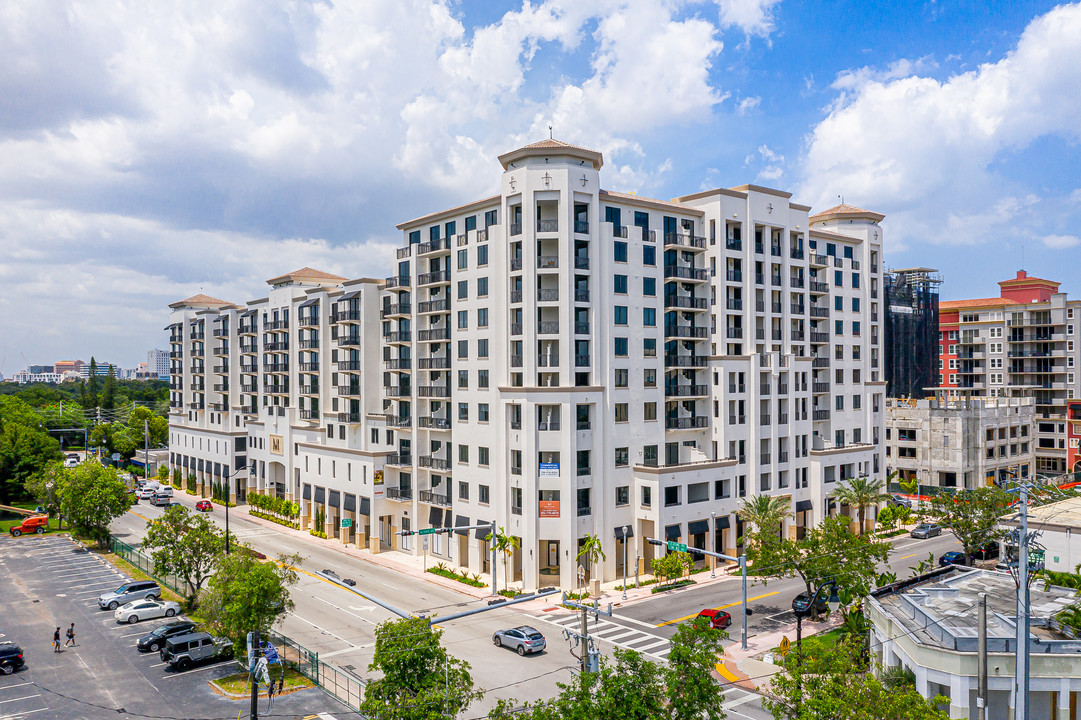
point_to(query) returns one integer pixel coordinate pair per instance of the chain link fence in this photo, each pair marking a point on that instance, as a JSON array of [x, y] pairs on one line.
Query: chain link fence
[[146, 565]]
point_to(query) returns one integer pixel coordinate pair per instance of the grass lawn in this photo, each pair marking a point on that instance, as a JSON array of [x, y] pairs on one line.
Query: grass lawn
[[11, 519], [237, 684], [814, 646]]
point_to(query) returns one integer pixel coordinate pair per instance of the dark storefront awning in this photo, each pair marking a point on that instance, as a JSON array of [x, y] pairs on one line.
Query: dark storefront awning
[[435, 517], [697, 527], [803, 505], [723, 522], [350, 502], [672, 532], [335, 499], [350, 295], [481, 533], [320, 494], [448, 519], [365, 506], [619, 532], [307, 492], [461, 521], [308, 303]]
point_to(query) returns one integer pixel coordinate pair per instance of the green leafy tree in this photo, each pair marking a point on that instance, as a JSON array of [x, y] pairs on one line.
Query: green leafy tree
[[418, 679], [92, 385], [972, 515], [672, 566], [911, 487], [25, 451], [861, 493], [765, 514], [590, 549], [505, 545], [163, 473], [185, 544], [91, 497], [829, 550], [635, 688], [45, 487], [108, 392], [246, 594], [157, 426], [832, 686]]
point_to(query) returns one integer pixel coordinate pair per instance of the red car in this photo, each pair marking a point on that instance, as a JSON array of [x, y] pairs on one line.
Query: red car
[[204, 506], [718, 619]]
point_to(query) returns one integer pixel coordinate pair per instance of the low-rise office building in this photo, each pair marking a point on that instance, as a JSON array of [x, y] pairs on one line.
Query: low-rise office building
[[929, 626], [960, 442]]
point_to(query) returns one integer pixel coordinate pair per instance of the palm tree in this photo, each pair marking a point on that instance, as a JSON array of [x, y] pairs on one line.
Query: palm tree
[[506, 544], [861, 492], [592, 551], [765, 512]]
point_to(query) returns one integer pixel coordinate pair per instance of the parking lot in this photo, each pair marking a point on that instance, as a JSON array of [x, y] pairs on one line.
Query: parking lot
[[48, 582]]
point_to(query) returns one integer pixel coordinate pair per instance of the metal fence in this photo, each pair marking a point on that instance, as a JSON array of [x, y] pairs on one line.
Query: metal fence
[[335, 681], [146, 565]]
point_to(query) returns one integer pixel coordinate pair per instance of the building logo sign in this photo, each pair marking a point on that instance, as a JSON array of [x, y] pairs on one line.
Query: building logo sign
[[549, 508], [277, 447], [548, 470]]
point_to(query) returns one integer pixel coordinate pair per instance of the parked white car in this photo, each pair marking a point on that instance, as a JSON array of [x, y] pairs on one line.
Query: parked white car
[[145, 492], [164, 490], [133, 612]]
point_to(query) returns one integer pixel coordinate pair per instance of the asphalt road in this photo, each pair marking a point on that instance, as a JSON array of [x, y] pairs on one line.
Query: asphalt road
[[769, 598], [50, 582]]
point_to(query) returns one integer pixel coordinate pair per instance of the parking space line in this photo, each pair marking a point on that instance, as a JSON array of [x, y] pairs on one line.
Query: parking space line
[[189, 672], [19, 698], [8, 687], [21, 713]]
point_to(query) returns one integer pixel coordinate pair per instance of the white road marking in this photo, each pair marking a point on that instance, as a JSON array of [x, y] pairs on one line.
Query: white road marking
[[358, 617], [346, 650], [749, 697], [321, 629], [27, 697], [22, 713], [172, 676], [646, 648]]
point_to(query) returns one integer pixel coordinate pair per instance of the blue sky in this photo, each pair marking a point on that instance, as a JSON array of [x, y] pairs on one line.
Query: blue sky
[[150, 151]]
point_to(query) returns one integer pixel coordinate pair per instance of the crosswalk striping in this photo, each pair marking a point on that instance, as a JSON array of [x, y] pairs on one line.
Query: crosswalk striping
[[614, 633]]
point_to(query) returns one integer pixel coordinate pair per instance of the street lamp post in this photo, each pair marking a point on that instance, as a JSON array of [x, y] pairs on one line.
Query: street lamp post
[[228, 488], [832, 602], [713, 561]]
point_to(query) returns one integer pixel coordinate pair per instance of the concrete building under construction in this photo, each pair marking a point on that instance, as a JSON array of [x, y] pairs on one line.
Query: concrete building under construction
[[911, 331]]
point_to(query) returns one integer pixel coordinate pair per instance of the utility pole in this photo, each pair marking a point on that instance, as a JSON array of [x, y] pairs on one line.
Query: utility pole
[[981, 661], [1022, 669], [253, 654], [590, 658], [495, 588]]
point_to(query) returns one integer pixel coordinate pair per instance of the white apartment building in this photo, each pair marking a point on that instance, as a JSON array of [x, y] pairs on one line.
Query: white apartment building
[[961, 442], [1024, 342], [564, 361], [157, 363]]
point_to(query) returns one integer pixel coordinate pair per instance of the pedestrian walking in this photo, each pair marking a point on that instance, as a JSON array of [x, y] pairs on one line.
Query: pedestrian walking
[[56, 640], [71, 636]]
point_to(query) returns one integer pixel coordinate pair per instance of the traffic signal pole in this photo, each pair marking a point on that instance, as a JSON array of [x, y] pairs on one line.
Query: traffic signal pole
[[673, 546]]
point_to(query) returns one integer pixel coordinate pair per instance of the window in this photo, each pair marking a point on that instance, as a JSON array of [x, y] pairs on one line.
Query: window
[[463, 378], [471, 223], [482, 348], [482, 287], [463, 411], [620, 314], [621, 284], [491, 217], [623, 495], [622, 377], [463, 454], [671, 496], [463, 259], [621, 347], [649, 287], [482, 378], [482, 412], [463, 289], [482, 255], [855, 280], [621, 412], [620, 251], [482, 456], [855, 304], [856, 328], [649, 317], [649, 411], [649, 377], [838, 303], [622, 457], [433, 232], [856, 401], [840, 402], [649, 455], [647, 496], [649, 347], [483, 494], [649, 255], [463, 319], [414, 237], [463, 349], [583, 462], [838, 278], [482, 317], [838, 327], [463, 490], [583, 502]]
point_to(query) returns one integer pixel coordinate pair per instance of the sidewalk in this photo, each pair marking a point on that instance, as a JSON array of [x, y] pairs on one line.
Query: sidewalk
[[749, 670]]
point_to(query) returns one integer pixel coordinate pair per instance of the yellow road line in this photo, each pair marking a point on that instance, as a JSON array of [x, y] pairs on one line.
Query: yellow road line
[[722, 607], [906, 557], [138, 515]]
